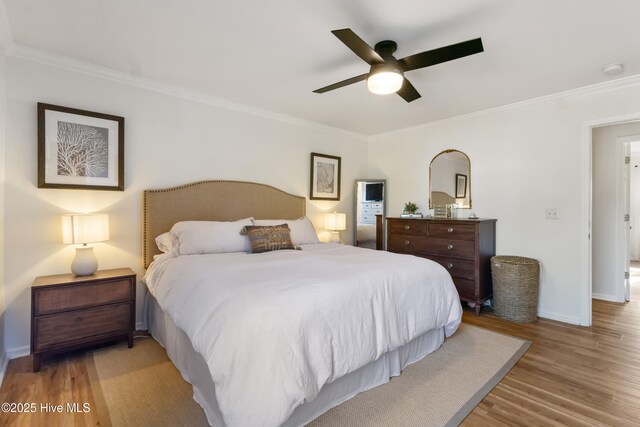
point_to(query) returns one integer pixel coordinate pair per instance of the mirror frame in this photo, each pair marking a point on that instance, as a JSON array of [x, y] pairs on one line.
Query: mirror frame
[[384, 210], [451, 150]]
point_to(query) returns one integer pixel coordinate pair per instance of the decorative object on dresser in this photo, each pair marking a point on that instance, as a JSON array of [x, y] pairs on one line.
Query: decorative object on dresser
[[83, 229], [69, 312], [325, 177], [335, 222], [463, 246], [79, 149]]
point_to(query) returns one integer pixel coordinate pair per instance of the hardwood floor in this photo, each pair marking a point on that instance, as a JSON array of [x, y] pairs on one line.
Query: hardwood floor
[[570, 376]]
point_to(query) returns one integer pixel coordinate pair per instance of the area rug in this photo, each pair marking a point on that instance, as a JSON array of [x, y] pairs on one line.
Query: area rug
[[141, 387]]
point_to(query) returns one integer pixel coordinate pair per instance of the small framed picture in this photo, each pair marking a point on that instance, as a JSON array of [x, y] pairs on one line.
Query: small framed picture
[[325, 177], [79, 149], [461, 186]]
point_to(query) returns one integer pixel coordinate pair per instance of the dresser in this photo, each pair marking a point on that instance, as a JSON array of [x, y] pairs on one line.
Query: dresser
[[463, 246], [369, 212], [69, 312]]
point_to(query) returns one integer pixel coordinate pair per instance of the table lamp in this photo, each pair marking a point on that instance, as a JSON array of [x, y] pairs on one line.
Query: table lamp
[[83, 229], [335, 222]]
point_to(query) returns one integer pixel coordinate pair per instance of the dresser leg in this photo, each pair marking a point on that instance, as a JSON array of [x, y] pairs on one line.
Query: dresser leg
[[130, 339], [478, 307], [36, 363]]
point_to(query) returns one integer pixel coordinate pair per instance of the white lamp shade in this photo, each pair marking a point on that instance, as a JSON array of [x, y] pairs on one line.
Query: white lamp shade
[[335, 221], [85, 228], [384, 83]]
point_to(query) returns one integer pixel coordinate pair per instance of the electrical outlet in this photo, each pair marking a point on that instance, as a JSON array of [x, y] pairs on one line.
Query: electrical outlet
[[552, 213]]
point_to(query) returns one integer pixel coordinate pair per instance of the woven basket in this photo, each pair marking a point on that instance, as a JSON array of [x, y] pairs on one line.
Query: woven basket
[[515, 288]]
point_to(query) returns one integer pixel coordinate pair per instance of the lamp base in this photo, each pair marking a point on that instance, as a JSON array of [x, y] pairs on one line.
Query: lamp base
[[85, 262], [335, 237]]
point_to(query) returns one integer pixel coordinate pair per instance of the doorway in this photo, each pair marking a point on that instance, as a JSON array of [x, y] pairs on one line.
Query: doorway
[[611, 210]]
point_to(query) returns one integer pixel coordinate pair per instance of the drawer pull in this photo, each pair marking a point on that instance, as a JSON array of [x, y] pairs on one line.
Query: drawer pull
[[406, 242], [449, 266], [449, 246], [406, 227], [450, 229]]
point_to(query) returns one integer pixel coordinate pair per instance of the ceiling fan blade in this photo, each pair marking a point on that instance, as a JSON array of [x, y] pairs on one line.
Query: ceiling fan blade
[[408, 92], [358, 46], [343, 83], [440, 55]]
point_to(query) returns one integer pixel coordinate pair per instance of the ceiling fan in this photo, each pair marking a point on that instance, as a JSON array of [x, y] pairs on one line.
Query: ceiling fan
[[387, 73]]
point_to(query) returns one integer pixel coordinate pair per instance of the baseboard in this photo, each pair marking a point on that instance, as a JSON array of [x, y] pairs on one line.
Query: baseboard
[[14, 353], [4, 362], [559, 317], [605, 297]]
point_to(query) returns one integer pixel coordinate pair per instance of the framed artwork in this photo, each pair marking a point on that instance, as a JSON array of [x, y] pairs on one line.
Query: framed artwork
[[79, 149], [461, 186], [325, 177]]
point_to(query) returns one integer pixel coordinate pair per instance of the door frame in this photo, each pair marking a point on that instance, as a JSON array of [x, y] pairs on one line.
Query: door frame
[[587, 205]]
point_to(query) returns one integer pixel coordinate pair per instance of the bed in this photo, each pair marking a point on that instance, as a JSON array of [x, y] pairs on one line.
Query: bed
[[278, 338]]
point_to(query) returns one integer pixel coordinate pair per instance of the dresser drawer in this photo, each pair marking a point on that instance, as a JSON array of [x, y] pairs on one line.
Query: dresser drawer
[[59, 329], [407, 227], [462, 268], [410, 244], [63, 298], [466, 288], [456, 231], [450, 248]]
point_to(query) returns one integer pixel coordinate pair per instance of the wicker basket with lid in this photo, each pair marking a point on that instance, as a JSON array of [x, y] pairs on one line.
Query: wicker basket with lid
[[515, 288]]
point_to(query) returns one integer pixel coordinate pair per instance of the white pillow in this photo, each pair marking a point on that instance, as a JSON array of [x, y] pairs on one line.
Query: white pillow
[[166, 242], [302, 231], [211, 237]]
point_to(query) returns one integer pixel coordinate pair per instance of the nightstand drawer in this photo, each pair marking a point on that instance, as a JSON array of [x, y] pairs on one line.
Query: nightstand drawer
[[59, 329], [63, 298]]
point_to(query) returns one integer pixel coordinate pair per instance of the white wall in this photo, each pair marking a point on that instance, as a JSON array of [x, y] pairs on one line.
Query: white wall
[[606, 215], [634, 178], [168, 141], [2, 203], [524, 158]]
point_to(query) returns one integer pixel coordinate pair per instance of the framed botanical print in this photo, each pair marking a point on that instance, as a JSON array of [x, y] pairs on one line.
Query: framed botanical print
[[325, 177], [79, 149]]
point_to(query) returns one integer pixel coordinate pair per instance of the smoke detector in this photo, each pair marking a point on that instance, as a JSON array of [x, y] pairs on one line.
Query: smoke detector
[[613, 69]]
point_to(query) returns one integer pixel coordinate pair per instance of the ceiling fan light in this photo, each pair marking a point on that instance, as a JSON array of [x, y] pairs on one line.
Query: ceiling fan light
[[385, 82]]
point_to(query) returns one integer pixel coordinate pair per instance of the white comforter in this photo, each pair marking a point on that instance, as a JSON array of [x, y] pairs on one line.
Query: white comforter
[[277, 326]]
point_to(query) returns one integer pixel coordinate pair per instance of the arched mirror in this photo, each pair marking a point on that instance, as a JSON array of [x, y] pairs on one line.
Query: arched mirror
[[450, 180], [369, 213]]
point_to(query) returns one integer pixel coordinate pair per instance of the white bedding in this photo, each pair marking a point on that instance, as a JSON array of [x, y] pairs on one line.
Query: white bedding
[[275, 327]]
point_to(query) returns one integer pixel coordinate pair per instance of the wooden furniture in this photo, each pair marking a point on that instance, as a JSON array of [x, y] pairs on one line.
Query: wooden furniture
[[379, 230], [69, 312], [463, 246]]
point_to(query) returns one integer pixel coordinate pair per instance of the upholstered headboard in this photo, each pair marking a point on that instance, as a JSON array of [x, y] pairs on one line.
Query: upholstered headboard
[[439, 198], [212, 201]]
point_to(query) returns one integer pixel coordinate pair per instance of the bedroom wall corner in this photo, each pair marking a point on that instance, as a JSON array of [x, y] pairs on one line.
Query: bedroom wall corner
[[524, 158], [169, 140]]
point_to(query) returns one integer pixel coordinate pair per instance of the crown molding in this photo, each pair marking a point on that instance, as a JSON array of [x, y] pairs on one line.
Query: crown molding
[[60, 61], [6, 39], [581, 91]]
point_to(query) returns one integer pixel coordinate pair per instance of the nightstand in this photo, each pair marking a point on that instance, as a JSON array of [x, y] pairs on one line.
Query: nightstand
[[70, 312]]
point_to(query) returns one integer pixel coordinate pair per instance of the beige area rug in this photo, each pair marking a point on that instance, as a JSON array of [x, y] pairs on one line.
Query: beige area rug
[[141, 387]]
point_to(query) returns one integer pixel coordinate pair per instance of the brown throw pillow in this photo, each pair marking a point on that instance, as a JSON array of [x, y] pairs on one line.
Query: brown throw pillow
[[265, 238]]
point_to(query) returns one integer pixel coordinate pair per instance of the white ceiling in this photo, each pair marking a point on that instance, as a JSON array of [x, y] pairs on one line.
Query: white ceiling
[[272, 54]]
